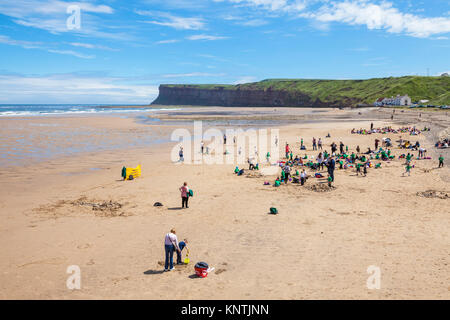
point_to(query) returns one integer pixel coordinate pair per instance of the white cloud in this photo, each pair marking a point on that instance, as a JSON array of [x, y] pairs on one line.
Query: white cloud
[[26, 8], [167, 41], [273, 5], [72, 88], [380, 16], [192, 74], [72, 53], [254, 23], [51, 15], [176, 22], [374, 14], [205, 37], [21, 43], [246, 79], [91, 46], [39, 45]]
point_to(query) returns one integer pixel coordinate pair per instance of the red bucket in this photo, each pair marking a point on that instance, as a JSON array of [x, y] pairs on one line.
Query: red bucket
[[201, 272], [201, 269]]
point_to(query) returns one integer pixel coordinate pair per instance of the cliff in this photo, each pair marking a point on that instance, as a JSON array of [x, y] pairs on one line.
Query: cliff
[[306, 93]]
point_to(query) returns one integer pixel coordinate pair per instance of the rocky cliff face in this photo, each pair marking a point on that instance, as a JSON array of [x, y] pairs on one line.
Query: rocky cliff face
[[238, 97]]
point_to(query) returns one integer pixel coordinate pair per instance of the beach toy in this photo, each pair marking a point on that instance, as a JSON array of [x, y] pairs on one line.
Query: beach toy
[[186, 260], [201, 269], [131, 173]]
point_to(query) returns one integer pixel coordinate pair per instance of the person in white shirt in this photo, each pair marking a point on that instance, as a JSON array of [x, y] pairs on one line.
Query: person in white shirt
[[170, 244], [320, 161], [303, 176]]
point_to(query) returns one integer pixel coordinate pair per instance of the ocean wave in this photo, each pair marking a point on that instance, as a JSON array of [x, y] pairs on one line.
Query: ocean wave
[[25, 111]]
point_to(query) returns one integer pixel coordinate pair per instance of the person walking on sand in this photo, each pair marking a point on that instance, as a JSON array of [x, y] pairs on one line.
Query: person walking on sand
[[314, 143], [180, 153], [184, 189], [441, 161], [408, 169], [287, 151], [170, 244], [319, 143]]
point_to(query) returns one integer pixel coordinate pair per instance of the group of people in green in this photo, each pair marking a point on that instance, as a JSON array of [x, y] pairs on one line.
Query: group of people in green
[[345, 160]]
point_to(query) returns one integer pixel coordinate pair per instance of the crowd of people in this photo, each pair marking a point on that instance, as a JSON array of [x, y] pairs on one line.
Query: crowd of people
[[411, 130]]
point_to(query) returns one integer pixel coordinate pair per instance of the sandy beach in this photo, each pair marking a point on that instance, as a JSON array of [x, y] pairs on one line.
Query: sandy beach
[[319, 246]]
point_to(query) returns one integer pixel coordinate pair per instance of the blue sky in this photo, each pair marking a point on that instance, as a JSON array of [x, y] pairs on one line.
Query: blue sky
[[123, 50]]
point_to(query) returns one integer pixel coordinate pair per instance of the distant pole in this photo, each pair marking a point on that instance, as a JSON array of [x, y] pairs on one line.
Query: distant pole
[[428, 72]]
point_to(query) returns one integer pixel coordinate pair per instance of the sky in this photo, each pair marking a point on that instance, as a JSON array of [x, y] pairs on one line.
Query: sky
[[119, 52]]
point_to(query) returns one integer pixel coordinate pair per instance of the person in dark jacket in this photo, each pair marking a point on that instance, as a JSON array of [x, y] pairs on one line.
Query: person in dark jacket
[[331, 165]]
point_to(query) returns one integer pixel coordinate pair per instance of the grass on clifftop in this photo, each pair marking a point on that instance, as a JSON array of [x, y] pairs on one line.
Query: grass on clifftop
[[435, 89]]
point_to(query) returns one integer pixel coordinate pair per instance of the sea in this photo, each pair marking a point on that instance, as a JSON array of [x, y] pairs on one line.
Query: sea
[[25, 110]]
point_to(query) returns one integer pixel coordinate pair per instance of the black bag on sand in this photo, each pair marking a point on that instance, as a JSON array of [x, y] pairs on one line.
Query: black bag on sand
[[201, 265], [273, 211], [157, 204]]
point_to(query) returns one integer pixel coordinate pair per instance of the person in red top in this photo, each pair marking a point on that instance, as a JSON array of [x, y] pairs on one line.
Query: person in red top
[[287, 151], [184, 195]]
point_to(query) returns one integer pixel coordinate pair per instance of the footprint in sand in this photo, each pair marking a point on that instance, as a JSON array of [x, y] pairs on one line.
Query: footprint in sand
[[219, 271], [54, 261], [84, 246]]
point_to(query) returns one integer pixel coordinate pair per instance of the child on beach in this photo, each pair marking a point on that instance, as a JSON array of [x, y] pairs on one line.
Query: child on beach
[[408, 158], [277, 182], [441, 161], [180, 153], [408, 169], [358, 169], [181, 246], [330, 180], [184, 189]]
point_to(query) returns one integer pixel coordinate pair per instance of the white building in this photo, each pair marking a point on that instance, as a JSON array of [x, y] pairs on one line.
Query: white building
[[394, 101]]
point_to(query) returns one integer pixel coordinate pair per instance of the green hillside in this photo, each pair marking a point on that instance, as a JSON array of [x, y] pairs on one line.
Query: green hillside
[[435, 89]]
